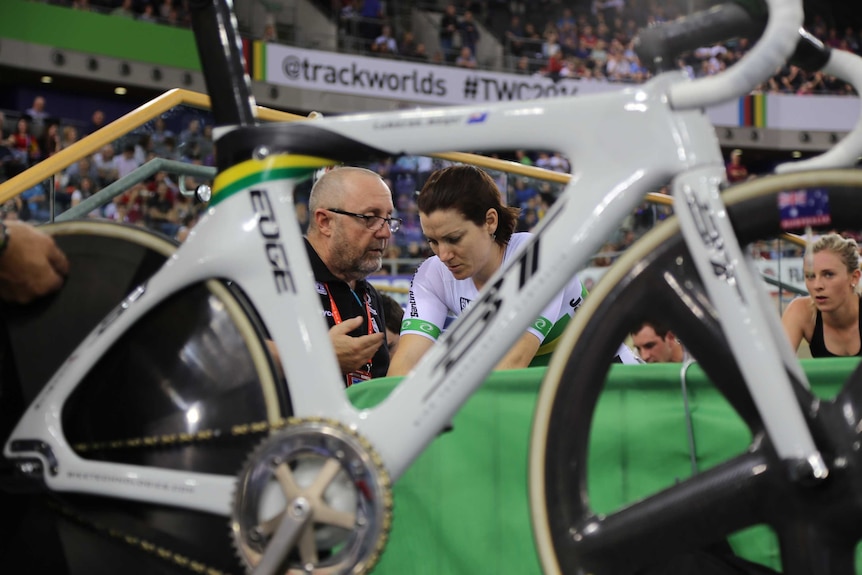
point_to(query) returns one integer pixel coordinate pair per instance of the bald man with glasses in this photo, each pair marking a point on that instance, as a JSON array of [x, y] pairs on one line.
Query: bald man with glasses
[[350, 225]]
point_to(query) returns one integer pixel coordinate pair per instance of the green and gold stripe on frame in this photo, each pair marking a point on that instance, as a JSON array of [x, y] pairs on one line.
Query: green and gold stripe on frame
[[251, 172]]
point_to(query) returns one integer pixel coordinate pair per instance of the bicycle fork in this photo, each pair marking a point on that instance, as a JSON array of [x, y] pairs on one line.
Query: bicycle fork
[[754, 333]]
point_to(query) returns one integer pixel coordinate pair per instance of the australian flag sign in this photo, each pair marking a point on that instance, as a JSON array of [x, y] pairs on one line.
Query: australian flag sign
[[801, 208]]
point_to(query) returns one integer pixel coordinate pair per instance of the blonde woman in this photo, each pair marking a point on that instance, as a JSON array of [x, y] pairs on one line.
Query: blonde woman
[[828, 318]]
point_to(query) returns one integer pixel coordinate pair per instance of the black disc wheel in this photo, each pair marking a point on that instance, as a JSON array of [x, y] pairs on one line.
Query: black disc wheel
[[817, 526], [189, 387]]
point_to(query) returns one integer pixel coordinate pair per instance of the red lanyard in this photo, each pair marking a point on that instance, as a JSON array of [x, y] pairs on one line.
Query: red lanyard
[[337, 316], [360, 375]]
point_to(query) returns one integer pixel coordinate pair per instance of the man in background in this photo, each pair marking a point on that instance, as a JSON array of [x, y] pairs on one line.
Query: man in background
[[655, 343]]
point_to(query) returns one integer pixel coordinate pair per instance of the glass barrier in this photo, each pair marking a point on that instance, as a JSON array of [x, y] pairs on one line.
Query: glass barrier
[[138, 192]]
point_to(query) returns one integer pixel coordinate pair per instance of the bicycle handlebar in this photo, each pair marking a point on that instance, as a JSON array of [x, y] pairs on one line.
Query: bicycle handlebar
[[848, 67], [810, 54], [771, 51], [658, 47]]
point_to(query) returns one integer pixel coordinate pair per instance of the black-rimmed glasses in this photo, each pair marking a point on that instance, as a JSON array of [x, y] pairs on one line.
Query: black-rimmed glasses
[[373, 223]]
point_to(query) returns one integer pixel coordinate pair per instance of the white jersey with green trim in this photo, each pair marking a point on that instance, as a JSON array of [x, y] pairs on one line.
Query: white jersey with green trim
[[436, 298]]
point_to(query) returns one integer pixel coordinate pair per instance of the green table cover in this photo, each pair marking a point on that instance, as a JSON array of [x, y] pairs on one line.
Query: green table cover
[[462, 507]]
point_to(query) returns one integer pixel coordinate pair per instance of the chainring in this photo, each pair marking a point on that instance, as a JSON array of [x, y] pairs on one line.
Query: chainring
[[338, 473]]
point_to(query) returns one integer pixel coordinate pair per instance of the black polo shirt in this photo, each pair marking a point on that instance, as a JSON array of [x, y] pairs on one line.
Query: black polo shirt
[[349, 306]]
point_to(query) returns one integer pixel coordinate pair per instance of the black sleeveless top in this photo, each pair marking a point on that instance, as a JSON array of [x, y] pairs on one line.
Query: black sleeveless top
[[818, 346]]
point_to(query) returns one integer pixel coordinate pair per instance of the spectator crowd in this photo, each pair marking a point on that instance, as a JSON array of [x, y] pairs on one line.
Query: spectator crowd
[[580, 40], [586, 39]]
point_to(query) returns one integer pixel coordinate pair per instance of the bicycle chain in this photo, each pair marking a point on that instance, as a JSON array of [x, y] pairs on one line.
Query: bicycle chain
[[184, 439], [154, 441], [178, 439]]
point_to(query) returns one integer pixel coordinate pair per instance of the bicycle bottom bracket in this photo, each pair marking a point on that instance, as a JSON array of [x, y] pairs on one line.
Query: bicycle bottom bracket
[[324, 470]]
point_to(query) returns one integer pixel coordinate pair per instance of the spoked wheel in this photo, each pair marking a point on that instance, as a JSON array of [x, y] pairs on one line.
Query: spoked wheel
[[817, 526], [190, 387]]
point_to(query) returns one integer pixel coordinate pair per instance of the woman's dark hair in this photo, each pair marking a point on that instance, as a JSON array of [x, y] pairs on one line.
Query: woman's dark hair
[[471, 192]]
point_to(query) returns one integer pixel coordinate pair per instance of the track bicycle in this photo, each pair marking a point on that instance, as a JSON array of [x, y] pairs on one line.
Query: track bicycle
[[316, 493]]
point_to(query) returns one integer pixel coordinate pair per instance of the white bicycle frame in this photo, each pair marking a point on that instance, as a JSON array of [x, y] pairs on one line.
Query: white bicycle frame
[[631, 141]]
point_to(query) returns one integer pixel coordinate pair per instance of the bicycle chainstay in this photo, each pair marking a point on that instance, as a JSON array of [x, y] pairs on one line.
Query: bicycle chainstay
[[69, 512], [205, 436]]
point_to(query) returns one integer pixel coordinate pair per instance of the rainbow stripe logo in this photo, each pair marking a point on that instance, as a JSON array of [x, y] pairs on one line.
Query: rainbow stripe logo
[[752, 111]]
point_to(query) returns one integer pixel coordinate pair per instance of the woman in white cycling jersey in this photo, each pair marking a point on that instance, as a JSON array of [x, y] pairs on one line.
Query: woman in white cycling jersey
[[471, 234]]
